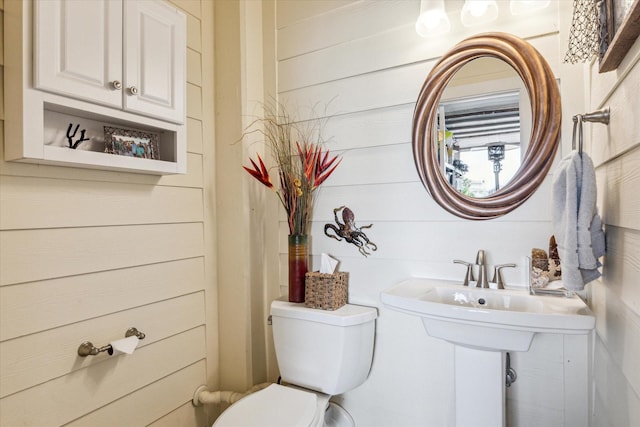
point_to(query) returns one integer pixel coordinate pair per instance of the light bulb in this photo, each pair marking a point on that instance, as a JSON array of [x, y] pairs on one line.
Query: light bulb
[[433, 18], [476, 12], [477, 8]]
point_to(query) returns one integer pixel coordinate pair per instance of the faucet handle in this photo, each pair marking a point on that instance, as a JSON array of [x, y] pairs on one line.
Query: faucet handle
[[469, 274], [497, 274]]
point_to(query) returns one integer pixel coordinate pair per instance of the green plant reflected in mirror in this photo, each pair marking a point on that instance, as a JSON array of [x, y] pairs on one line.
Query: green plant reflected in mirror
[[532, 86]]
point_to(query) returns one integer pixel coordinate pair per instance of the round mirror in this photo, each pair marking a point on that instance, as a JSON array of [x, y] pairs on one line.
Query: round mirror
[[529, 100]]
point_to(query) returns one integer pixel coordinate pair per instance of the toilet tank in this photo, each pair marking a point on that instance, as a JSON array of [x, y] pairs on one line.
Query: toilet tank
[[326, 351]]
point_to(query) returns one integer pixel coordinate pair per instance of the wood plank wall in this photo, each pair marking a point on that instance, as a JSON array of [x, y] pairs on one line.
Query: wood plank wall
[[364, 61], [615, 299], [86, 254]]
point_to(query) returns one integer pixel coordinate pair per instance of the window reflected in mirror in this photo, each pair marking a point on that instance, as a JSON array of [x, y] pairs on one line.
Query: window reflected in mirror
[[482, 127]]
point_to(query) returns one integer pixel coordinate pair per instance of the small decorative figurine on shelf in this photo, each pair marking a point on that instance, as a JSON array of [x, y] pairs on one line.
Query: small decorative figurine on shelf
[[70, 136], [349, 232]]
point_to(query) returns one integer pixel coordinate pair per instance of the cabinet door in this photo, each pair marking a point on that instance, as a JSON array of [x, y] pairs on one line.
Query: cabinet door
[[78, 49], [155, 60]]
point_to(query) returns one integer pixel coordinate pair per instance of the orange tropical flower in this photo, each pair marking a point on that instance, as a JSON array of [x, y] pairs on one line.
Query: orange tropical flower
[[260, 173], [323, 166], [301, 173]]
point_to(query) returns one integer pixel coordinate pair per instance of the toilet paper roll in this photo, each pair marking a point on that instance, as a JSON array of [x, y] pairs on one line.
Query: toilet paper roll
[[125, 345]]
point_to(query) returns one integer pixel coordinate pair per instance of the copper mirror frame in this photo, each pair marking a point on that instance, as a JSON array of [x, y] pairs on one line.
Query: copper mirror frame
[[545, 127]]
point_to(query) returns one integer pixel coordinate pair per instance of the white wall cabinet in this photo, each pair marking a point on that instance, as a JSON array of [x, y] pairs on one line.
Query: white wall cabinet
[[78, 49], [117, 63], [127, 55]]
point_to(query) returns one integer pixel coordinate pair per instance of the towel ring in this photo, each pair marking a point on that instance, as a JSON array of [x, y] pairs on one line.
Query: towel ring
[[600, 116]]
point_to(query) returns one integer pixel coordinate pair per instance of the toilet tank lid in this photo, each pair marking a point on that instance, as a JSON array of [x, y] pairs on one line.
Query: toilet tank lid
[[347, 315]]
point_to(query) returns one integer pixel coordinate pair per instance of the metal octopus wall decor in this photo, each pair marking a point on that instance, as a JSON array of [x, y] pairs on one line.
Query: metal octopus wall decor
[[349, 232]]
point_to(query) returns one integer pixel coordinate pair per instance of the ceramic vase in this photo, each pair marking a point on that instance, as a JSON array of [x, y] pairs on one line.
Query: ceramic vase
[[298, 266]]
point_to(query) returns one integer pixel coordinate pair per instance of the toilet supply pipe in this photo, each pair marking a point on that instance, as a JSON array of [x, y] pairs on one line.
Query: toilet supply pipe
[[202, 395]]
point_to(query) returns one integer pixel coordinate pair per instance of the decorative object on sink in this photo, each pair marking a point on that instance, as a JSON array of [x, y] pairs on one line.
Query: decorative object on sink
[[539, 150], [131, 143], [348, 231], [303, 165], [326, 289], [545, 268], [70, 136]]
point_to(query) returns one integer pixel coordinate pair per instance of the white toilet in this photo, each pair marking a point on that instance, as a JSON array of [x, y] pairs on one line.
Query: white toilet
[[320, 354]]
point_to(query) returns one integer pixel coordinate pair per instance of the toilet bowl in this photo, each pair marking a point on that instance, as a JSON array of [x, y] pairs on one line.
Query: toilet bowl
[[320, 354], [281, 406]]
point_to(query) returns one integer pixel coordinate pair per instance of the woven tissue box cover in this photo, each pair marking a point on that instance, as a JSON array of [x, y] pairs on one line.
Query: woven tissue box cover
[[326, 291]]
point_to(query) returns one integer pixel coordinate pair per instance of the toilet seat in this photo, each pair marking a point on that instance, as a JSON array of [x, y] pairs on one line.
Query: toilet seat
[[275, 406]]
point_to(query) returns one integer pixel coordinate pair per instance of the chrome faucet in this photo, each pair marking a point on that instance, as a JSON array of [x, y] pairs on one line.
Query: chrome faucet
[[483, 278], [483, 282]]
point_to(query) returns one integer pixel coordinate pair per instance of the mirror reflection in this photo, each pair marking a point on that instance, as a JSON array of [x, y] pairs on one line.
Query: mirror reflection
[[483, 126]]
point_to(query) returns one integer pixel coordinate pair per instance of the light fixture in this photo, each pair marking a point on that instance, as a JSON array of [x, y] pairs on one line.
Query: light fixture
[[476, 12], [519, 7], [433, 19]]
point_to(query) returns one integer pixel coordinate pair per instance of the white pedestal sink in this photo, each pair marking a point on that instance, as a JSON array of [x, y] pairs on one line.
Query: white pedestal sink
[[484, 324]]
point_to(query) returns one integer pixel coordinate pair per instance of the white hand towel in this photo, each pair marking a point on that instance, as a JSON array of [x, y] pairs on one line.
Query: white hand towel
[[576, 223]]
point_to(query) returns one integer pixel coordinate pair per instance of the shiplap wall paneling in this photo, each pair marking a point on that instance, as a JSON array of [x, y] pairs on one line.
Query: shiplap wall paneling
[[619, 91], [22, 367], [71, 203], [364, 61], [615, 299], [419, 241], [69, 397], [141, 284], [616, 401], [619, 331], [618, 181], [372, 202], [153, 405], [399, 46], [86, 254], [66, 252]]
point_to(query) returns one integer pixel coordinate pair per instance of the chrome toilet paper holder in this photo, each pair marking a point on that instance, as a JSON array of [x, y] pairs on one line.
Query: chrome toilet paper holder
[[88, 349]]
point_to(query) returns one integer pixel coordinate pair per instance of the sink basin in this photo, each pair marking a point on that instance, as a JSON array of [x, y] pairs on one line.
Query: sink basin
[[483, 324], [490, 319]]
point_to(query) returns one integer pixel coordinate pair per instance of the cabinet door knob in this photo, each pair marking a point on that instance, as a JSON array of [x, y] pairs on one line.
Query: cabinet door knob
[[133, 90], [116, 85]]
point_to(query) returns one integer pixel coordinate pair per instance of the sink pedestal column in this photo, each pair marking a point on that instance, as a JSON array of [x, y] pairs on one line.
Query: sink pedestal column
[[480, 387]]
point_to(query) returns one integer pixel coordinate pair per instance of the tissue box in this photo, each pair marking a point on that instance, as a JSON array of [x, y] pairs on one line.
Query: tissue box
[[326, 291]]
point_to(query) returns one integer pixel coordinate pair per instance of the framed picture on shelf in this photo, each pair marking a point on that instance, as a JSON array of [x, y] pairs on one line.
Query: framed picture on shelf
[[131, 143], [621, 22]]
